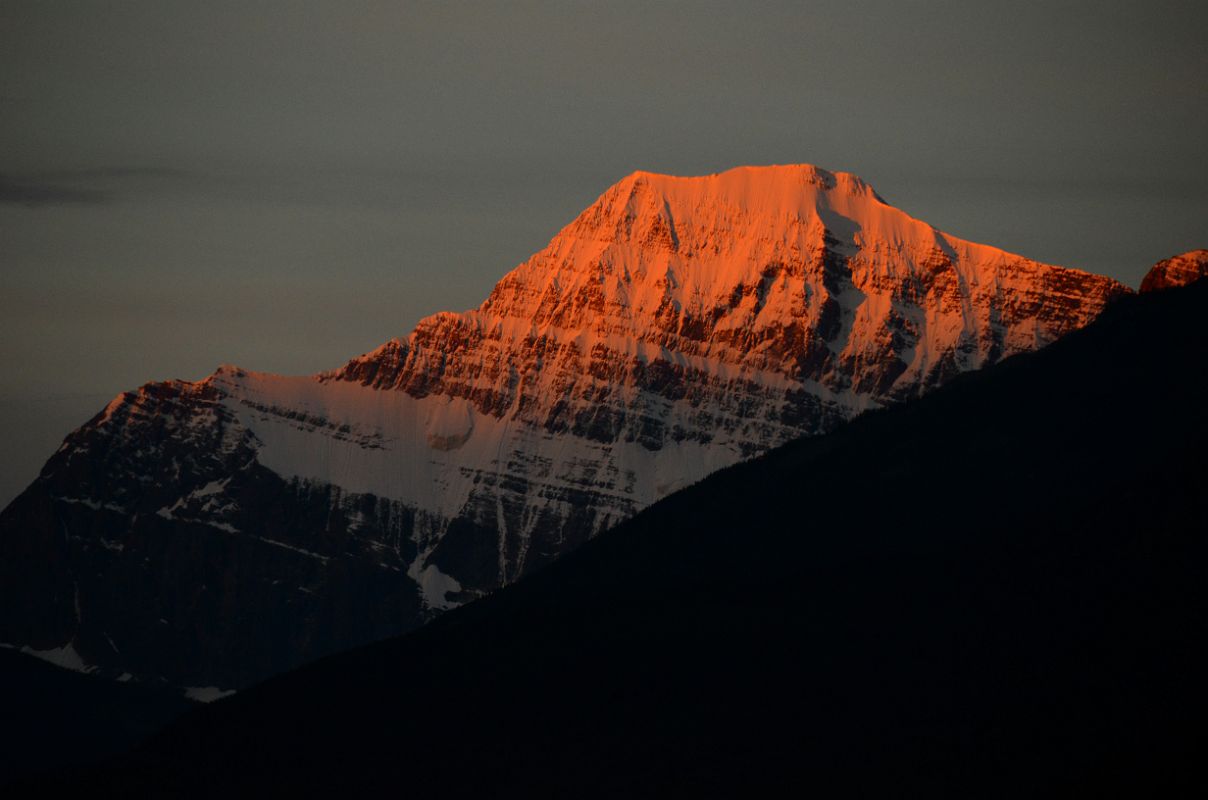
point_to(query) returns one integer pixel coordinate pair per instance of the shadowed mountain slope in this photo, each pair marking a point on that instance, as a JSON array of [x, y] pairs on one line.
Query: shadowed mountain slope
[[54, 718], [995, 590]]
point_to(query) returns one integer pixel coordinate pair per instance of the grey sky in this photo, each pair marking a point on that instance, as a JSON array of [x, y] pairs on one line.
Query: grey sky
[[286, 185]]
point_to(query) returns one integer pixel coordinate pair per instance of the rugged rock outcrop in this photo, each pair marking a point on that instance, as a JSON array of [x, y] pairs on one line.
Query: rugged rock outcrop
[[1178, 270], [211, 533]]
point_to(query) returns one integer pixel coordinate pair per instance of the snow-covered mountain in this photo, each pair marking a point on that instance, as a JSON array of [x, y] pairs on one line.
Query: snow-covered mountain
[[210, 533]]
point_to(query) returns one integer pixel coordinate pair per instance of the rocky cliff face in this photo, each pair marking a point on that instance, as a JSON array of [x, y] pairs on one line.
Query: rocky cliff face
[[212, 533], [1179, 270]]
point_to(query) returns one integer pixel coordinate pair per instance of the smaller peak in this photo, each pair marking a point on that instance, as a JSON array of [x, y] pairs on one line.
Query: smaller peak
[[224, 374], [230, 370], [857, 185], [1177, 270]]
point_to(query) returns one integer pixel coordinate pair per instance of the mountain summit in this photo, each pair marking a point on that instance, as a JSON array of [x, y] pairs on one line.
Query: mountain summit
[[211, 533]]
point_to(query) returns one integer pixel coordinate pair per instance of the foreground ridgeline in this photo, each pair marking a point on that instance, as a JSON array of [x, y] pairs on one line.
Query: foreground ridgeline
[[996, 590], [212, 533]]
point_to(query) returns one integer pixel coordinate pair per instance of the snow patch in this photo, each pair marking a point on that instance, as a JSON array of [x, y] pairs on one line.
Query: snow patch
[[168, 512], [285, 546], [434, 586], [93, 504], [64, 656], [207, 694]]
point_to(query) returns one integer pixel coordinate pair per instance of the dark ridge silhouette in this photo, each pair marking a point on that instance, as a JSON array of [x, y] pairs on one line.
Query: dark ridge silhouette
[[995, 591], [53, 718]]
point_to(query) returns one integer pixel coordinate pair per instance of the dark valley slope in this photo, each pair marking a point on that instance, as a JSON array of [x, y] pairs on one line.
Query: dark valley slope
[[54, 718], [995, 590]]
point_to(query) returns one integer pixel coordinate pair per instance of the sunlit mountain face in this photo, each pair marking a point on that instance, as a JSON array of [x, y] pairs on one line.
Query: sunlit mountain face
[[212, 533], [1180, 270]]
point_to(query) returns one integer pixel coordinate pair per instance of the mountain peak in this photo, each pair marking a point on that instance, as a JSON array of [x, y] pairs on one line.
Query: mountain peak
[[1177, 270], [675, 327], [749, 213], [783, 273], [764, 172], [781, 184]]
